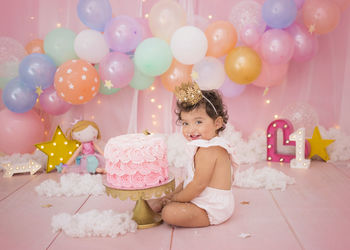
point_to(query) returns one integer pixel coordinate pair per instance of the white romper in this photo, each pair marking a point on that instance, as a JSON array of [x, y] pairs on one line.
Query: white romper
[[218, 203]]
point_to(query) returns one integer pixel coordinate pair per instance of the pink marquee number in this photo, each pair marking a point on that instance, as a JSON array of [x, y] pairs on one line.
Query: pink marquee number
[[287, 129]]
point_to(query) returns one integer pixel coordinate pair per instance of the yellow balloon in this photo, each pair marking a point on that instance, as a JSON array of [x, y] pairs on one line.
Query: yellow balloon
[[243, 65]]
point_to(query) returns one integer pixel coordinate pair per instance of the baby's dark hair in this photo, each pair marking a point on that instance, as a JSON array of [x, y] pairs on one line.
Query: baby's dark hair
[[215, 98]]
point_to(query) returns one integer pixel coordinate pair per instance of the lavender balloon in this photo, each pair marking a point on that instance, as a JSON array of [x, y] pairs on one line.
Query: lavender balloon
[[17, 97], [279, 14], [123, 34], [231, 89], [51, 103], [37, 70], [94, 13]]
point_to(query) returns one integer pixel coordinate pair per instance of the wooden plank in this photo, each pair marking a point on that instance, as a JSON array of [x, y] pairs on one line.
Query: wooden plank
[[317, 206]]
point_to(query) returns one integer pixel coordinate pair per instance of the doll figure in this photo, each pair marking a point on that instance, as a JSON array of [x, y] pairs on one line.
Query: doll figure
[[88, 157]]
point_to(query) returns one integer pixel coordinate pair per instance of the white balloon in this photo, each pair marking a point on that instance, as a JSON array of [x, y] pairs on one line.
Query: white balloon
[[210, 73], [91, 46], [189, 45]]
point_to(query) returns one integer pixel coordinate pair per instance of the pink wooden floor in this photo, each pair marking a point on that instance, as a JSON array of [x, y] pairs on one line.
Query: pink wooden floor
[[314, 213]]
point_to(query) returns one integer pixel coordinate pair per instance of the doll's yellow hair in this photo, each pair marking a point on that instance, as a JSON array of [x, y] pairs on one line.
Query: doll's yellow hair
[[81, 125]]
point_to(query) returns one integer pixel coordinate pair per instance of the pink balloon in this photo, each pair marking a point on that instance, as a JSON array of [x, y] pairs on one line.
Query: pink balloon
[[250, 34], [231, 89], [51, 103], [299, 3], [117, 68], [146, 31], [271, 74], [343, 4], [276, 46], [20, 132], [305, 44]]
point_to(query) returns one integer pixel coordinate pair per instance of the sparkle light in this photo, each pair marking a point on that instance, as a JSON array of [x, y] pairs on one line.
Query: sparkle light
[[153, 100], [160, 106], [268, 101], [210, 16], [146, 15], [152, 88], [58, 25]]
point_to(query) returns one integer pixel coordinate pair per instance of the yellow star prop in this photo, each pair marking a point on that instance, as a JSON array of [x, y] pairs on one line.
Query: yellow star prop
[[318, 145], [59, 149], [108, 84], [39, 91], [312, 28]]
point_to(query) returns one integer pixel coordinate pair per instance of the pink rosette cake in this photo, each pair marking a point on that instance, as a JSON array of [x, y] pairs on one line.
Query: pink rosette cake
[[136, 161]]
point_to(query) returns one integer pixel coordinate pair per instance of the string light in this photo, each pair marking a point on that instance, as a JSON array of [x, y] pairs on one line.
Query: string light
[[267, 101], [146, 15], [58, 25], [42, 119], [153, 88], [92, 117], [153, 100], [154, 123], [98, 101], [160, 106], [210, 16], [153, 116]]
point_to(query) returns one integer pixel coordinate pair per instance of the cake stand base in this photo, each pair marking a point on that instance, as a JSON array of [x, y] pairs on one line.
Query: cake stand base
[[144, 216]]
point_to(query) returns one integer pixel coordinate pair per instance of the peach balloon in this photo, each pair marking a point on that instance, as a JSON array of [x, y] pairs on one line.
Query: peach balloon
[[175, 75], [77, 81], [343, 4], [243, 65], [35, 46], [222, 37], [321, 16]]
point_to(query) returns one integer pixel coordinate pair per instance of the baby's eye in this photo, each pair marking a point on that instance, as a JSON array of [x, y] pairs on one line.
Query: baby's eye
[[184, 123], [198, 122]]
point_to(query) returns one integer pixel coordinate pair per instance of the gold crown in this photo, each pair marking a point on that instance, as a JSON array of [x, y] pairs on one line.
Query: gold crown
[[188, 93]]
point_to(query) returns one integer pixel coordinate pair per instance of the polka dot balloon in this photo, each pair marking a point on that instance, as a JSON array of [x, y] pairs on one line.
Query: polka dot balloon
[[77, 82]]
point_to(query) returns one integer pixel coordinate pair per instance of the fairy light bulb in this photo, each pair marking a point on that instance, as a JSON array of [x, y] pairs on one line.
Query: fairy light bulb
[[210, 16], [152, 88], [146, 15], [160, 106], [267, 101], [153, 100], [58, 25]]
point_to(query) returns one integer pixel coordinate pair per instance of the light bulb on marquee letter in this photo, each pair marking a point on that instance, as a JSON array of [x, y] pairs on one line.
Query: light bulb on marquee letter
[[299, 161]]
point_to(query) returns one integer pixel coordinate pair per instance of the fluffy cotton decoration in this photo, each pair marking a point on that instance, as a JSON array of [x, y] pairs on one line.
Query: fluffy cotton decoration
[[94, 223], [37, 156], [72, 185], [266, 177]]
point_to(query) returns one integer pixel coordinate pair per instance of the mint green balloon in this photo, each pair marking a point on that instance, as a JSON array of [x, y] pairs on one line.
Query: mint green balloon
[[103, 89], [59, 45], [140, 81], [153, 56]]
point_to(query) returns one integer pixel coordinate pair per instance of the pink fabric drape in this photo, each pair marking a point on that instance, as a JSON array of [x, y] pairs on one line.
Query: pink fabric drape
[[323, 82]]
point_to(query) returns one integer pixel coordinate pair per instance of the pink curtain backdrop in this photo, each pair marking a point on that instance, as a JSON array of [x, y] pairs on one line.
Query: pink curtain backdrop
[[323, 82]]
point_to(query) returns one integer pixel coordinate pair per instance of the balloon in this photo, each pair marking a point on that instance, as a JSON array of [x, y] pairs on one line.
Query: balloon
[[20, 132], [123, 34], [141, 81], [276, 46], [106, 90], [52, 104], [165, 17], [175, 75], [94, 13], [247, 12], [250, 35], [59, 45], [299, 3], [321, 16], [11, 54], [146, 31], [189, 45], [243, 65], [279, 14], [343, 4], [17, 97], [37, 70], [222, 38], [91, 46], [305, 44], [153, 56], [35, 46], [117, 68], [77, 81], [271, 74], [231, 89], [210, 73], [301, 115]]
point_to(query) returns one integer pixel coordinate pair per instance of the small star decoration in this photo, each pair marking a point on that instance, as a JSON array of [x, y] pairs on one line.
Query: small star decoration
[[108, 84], [318, 145], [312, 28], [39, 91], [59, 149]]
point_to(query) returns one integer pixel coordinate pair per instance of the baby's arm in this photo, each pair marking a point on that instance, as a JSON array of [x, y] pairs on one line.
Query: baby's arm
[[204, 163], [98, 149]]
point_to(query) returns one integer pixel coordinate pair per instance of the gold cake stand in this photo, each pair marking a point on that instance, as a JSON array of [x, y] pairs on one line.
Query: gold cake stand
[[144, 216]]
